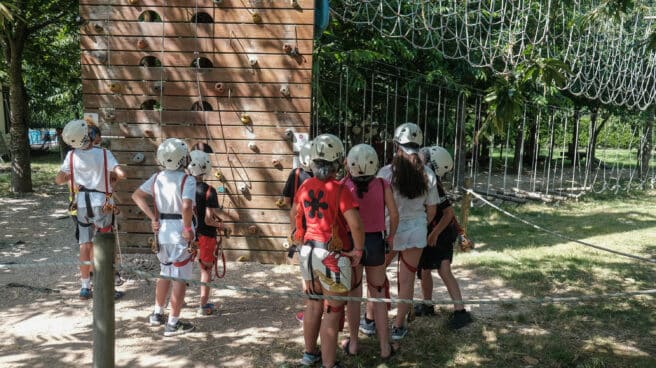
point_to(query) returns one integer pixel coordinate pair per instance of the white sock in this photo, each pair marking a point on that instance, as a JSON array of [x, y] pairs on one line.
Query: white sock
[[158, 309], [86, 283], [173, 320]]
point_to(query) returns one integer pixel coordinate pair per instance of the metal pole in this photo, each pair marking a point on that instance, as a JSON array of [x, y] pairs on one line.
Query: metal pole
[[103, 301]]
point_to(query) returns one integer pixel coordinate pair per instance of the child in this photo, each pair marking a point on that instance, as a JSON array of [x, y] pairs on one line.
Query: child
[[439, 253], [174, 194], [207, 224], [90, 173], [296, 177], [374, 195], [327, 253]]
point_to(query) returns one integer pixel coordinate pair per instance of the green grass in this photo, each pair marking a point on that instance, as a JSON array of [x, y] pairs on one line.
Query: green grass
[[44, 168], [618, 332]]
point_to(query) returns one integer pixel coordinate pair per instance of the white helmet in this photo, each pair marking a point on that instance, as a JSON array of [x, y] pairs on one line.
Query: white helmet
[[76, 134], [200, 163], [362, 160], [409, 137], [304, 156], [440, 159], [327, 147], [172, 154]]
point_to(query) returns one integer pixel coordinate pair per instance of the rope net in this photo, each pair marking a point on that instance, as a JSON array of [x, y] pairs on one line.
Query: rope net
[[608, 57]]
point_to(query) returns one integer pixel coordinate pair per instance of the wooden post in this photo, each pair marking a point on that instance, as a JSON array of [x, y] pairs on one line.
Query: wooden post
[[103, 301], [466, 203]]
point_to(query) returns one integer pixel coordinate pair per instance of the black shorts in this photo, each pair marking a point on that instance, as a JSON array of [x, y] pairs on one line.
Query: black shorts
[[374, 249], [432, 257]]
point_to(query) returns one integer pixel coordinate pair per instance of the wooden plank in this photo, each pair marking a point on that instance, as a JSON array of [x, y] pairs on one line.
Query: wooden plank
[[234, 146], [286, 32], [258, 189], [279, 216], [190, 44], [244, 14], [229, 242], [260, 4], [177, 59], [223, 75], [297, 121], [219, 161], [237, 174], [267, 202], [235, 230], [185, 103], [199, 131]]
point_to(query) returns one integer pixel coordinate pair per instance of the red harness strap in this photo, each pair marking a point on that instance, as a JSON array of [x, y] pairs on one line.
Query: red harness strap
[[385, 286]]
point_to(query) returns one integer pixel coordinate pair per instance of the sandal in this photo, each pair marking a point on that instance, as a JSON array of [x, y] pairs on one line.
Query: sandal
[[393, 351], [346, 347]]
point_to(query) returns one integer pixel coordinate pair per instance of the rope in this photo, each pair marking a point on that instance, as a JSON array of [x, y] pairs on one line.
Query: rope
[[555, 233], [300, 295]]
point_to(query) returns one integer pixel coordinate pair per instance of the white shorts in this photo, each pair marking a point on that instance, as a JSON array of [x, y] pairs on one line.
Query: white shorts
[[411, 233], [87, 227], [169, 253], [331, 268]]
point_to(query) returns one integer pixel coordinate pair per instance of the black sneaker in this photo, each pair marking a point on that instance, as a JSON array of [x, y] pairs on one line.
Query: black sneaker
[[459, 319], [157, 319], [178, 329], [424, 310]]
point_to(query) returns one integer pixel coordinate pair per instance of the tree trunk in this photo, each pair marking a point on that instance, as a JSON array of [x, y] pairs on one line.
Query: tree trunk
[[573, 147], [21, 178], [647, 145], [461, 157], [595, 137]]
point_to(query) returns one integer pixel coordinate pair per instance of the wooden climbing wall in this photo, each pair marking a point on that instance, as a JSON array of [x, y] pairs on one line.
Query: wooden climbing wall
[[233, 73]]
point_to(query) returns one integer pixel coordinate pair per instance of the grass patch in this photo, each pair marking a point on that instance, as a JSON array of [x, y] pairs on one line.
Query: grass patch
[[44, 168]]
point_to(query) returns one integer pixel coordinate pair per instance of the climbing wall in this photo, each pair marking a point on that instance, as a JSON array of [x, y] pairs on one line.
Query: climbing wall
[[234, 74]]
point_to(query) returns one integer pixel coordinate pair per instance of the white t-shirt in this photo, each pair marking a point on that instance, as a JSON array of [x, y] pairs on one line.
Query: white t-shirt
[[413, 208], [88, 167], [168, 198]]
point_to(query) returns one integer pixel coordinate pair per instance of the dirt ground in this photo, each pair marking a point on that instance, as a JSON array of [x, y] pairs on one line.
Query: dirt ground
[[45, 325]]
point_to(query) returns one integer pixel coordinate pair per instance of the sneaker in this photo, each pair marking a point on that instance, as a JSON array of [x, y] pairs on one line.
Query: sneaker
[[310, 359], [85, 294], [118, 280], [337, 365], [367, 328], [424, 310], [459, 319], [299, 316], [118, 294], [399, 332], [178, 329], [156, 319], [206, 310]]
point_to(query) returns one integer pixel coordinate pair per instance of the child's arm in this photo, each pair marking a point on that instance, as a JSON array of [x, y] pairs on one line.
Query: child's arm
[[62, 178], [187, 214], [140, 198], [117, 174], [212, 218]]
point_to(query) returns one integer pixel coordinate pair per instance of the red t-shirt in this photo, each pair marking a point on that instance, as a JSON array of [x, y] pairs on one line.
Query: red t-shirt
[[317, 201]]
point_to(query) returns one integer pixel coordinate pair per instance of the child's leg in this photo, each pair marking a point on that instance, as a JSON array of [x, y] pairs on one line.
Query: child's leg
[[86, 250], [330, 328], [161, 290], [451, 283], [312, 321], [406, 281], [353, 310], [177, 298], [205, 276], [376, 276], [426, 284]]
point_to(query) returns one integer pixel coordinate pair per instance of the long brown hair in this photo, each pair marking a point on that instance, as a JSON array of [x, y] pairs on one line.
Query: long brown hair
[[408, 176]]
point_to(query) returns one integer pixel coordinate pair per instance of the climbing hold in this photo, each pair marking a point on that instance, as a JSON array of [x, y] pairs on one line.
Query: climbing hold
[[252, 229], [257, 18], [284, 90], [80, 20], [276, 162], [252, 61], [252, 146], [219, 87], [142, 44], [243, 188], [115, 87], [98, 27], [138, 157], [289, 134], [221, 189], [217, 2], [280, 203], [287, 48], [133, 2], [218, 174], [157, 87], [295, 4], [245, 118]]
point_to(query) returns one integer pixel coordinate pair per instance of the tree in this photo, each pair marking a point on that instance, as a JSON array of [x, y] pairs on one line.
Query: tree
[[27, 21]]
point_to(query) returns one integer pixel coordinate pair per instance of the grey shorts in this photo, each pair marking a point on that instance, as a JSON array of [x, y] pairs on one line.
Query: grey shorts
[[87, 227]]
